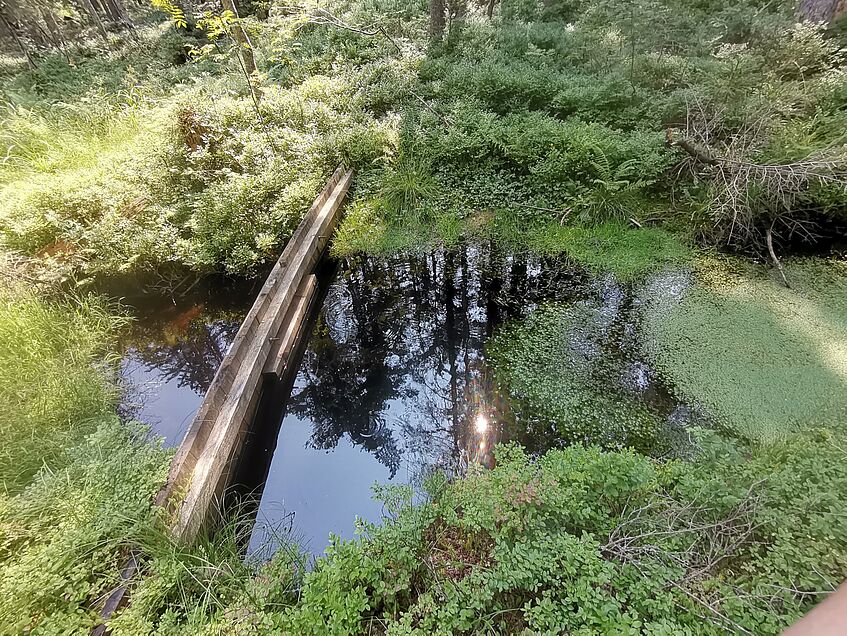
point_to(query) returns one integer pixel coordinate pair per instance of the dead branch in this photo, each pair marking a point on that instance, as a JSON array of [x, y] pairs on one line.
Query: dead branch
[[698, 154], [318, 15], [642, 534], [769, 237], [745, 191]]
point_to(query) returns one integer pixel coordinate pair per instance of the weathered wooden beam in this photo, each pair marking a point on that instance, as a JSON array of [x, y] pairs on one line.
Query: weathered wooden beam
[[201, 464], [286, 339]]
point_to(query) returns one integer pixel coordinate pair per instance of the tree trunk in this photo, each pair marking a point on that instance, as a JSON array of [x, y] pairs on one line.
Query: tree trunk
[[118, 9], [105, 7], [11, 29], [245, 49], [89, 9], [821, 10], [53, 28], [458, 10], [489, 11], [436, 19]]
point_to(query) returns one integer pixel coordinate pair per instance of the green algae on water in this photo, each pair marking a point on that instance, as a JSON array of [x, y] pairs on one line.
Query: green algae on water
[[567, 369], [760, 359]]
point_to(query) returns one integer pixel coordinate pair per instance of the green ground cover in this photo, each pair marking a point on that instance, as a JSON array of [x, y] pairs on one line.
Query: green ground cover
[[76, 482], [543, 129], [546, 546]]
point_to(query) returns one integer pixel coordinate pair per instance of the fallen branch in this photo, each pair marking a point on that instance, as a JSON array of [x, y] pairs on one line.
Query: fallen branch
[[698, 154], [769, 239], [445, 120]]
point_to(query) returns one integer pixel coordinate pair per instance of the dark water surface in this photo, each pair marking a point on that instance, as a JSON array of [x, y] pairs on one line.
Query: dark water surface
[[174, 349], [393, 382]]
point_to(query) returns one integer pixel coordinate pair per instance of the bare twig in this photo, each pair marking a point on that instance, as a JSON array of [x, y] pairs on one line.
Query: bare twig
[[322, 16], [684, 535], [769, 237], [443, 118], [746, 191]]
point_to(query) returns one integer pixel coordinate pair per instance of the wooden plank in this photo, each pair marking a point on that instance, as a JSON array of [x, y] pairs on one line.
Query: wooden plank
[[197, 436], [222, 427], [291, 328]]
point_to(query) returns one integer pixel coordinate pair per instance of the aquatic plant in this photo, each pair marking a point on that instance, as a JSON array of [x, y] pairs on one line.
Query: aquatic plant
[[762, 360], [565, 366], [628, 253]]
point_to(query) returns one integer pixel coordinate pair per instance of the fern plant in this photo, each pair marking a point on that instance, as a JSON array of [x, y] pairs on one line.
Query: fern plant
[[616, 192]]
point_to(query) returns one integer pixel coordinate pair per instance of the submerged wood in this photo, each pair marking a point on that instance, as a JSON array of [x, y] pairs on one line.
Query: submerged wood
[[203, 463]]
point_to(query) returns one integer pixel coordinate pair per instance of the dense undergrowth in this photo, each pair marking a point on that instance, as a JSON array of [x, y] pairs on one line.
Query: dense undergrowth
[[539, 128], [545, 129], [76, 481], [578, 541]]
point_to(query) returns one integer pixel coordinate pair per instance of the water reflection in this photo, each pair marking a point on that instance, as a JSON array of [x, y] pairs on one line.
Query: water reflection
[[396, 361], [395, 374], [394, 382], [579, 372], [174, 350]]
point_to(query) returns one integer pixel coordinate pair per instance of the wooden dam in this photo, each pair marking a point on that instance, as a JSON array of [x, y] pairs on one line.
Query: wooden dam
[[265, 345]]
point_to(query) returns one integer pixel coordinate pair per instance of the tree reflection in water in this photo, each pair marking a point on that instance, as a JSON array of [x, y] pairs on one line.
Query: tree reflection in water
[[396, 360], [174, 350]]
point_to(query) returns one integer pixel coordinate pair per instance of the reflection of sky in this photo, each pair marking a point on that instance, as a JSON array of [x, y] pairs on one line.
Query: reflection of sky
[[325, 490], [393, 405], [157, 400], [170, 364]]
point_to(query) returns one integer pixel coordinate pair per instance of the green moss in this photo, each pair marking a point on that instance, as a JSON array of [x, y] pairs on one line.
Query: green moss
[[364, 230], [629, 253], [763, 360]]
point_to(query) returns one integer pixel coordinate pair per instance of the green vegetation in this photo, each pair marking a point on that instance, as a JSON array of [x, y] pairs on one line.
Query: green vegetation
[[628, 253], [77, 483], [578, 541], [619, 136], [564, 366], [545, 123], [52, 391], [65, 538], [580, 114], [770, 361], [157, 176]]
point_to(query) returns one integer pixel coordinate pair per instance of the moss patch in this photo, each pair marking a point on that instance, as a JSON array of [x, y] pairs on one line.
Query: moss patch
[[628, 253], [763, 360]]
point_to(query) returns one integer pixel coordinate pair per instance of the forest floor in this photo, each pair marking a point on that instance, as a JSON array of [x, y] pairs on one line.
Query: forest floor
[[549, 130]]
